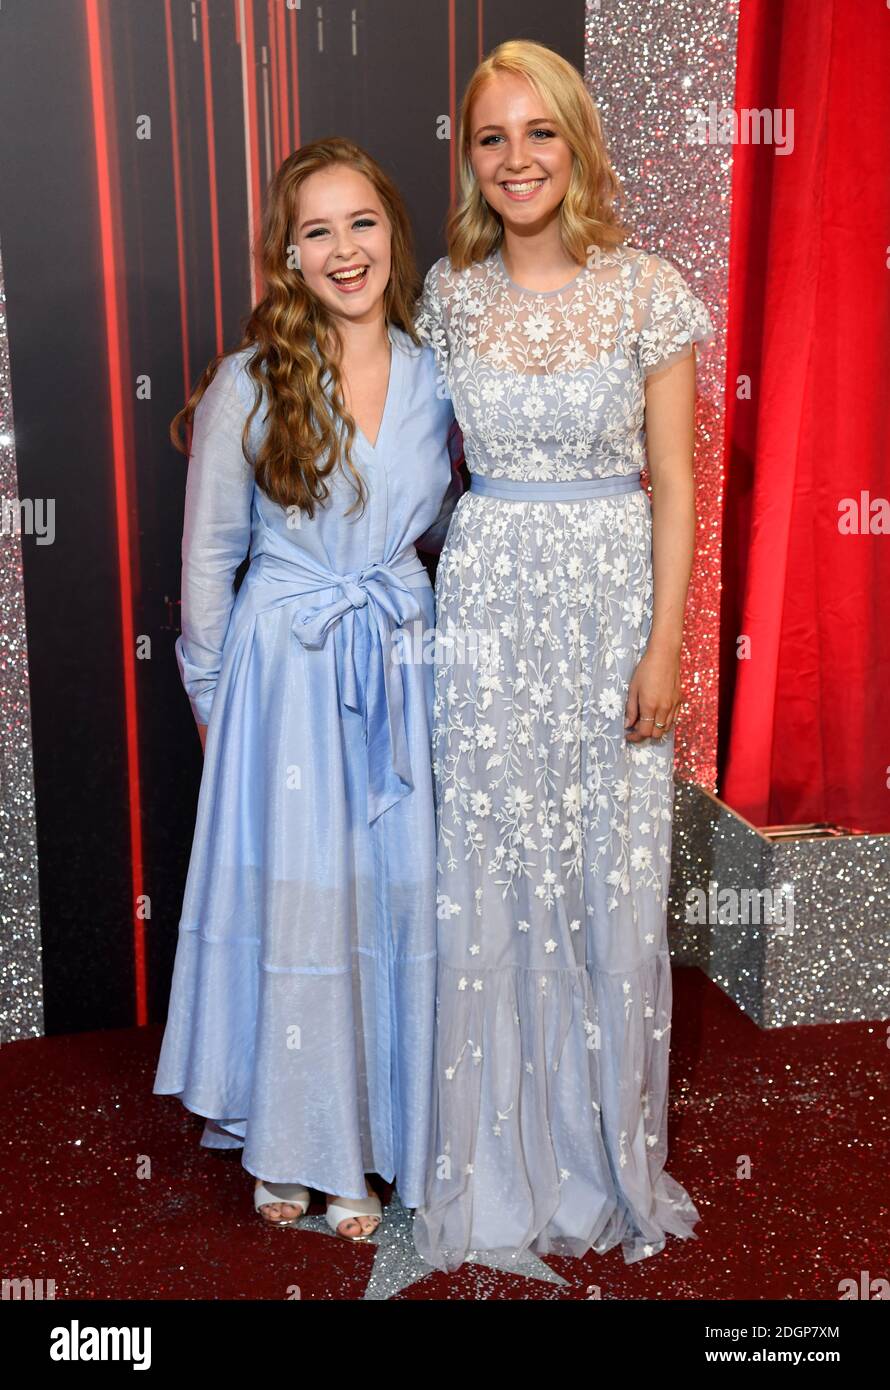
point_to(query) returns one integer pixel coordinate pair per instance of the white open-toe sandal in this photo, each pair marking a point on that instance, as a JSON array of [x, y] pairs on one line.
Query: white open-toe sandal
[[354, 1207], [292, 1193]]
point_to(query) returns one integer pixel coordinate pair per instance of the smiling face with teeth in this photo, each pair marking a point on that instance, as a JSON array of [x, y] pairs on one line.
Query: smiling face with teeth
[[522, 162], [344, 240]]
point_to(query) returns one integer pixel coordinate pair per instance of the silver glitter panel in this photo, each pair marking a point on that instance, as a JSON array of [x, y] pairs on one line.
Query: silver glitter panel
[[21, 979], [830, 963], [647, 66]]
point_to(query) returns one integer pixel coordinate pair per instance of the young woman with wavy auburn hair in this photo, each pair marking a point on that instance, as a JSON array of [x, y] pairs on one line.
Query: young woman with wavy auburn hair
[[301, 1012], [568, 355]]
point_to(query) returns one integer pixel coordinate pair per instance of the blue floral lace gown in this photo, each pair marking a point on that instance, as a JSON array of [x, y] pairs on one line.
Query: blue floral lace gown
[[554, 833], [302, 1005]]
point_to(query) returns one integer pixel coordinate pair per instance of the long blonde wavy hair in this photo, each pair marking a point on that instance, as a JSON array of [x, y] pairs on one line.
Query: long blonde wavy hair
[[588, 214], [297, 341]]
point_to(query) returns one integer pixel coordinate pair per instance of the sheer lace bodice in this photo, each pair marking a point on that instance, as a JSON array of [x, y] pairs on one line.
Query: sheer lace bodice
[[549, 385]]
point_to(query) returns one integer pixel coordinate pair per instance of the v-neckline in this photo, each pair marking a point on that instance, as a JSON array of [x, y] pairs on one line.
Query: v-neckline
[[390, 383]]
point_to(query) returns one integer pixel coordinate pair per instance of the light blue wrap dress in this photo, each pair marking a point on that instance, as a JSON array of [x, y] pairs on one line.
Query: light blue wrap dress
[[302, 1004]]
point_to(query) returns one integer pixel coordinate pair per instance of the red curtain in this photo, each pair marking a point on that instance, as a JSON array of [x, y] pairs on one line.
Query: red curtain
[[805, 619]]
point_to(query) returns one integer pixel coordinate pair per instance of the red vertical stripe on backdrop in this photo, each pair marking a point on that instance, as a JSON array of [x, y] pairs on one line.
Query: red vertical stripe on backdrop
[[253, 138], [177, 207], [295, 77], [211, 175], [452, 104], [480, 41], [273, 83], [281, 45], [121, 430]]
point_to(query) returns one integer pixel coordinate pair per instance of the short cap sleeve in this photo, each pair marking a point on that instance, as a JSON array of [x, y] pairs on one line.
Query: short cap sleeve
[[669, 317], [429, 319]]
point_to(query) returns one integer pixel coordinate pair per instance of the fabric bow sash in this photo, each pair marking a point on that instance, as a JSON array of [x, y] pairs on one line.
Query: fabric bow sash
[[388, 593]]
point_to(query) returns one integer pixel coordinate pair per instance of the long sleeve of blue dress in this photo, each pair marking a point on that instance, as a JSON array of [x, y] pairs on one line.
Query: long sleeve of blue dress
[[216, 531], [432, 540]]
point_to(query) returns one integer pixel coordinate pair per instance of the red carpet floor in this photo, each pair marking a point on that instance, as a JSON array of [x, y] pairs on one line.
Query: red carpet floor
[[107, 1191]]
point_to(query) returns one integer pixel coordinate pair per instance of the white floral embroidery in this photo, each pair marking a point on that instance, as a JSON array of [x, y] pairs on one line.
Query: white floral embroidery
[[501, 1115], [450, 1071], [534, 776]]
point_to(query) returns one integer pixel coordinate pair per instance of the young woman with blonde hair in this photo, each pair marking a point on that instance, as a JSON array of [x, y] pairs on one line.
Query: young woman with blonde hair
[[568, 355], [301, 1011]]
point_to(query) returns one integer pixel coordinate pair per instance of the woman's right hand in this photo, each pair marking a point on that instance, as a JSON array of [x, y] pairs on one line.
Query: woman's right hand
[[202, 734]]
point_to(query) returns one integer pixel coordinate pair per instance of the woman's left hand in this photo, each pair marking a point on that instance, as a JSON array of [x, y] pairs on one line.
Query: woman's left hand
[[654, 691]]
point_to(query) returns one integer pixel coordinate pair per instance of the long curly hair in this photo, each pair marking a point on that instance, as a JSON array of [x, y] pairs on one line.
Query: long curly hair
[[588, 213], [310, 431]]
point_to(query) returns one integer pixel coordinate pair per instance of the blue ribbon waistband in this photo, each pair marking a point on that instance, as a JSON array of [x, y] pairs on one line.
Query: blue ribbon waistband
[[576, 490], [302, 575]]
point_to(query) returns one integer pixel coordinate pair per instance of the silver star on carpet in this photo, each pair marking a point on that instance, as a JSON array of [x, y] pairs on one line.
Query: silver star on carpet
[[398, 1266]]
